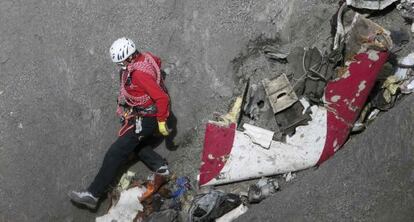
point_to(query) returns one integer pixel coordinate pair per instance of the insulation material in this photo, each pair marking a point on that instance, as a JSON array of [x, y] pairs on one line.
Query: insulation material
[[127, 207]]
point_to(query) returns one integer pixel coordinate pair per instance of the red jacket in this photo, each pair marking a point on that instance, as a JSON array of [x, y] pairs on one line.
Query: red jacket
[[144, 84]]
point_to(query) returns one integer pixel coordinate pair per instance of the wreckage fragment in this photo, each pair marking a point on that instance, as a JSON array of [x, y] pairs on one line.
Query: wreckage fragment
[[289, 119], [311, 70], [233, 214], [133, 200], [353, 92], [254, 98], [403, 73], [280, 93], [230, 155], [262, 189], [127, 206], [364, 35], [258, 135], [271, 52], [212, 205], [233, 116], [370, 4]]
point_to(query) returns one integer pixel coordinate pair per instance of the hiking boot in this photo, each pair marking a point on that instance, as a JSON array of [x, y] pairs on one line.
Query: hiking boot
[[84, 198], [163, 171]]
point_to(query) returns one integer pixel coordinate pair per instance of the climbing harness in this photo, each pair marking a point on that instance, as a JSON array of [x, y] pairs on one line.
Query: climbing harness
[[135, 113], [150, 67]]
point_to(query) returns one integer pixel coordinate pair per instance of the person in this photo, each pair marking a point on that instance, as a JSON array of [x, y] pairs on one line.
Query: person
[[143, 105]]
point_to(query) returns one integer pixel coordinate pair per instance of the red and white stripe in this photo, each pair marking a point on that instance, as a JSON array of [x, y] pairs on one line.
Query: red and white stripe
[[230, 155]]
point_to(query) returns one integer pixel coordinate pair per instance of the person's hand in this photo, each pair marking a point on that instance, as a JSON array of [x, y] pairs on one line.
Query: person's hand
[[163, 128]]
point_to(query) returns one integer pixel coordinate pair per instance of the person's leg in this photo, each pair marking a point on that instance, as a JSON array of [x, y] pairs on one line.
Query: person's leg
[[116, 155], [151, 158], [144, 150]]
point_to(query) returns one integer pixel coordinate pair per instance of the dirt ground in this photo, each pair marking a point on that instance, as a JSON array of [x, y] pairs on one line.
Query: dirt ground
[[58, 86]]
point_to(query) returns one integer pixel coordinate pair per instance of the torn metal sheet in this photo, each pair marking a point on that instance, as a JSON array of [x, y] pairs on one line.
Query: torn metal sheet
[[403, 73], [359, 34], [345, 98], [127, 208], [364, 35], [280, 93], [370, 4], [218, 143], [288, 120], [230, 155], [260, 136], [256, 96], [313, 134], [408, 86], [403, 79], [247, 160], [373, 114], [340, 29]]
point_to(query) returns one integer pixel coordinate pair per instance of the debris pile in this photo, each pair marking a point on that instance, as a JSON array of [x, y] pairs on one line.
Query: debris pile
[[324, 96], [162, 199]]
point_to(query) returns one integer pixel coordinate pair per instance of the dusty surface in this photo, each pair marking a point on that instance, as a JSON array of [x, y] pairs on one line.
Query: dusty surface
[[58, 86]]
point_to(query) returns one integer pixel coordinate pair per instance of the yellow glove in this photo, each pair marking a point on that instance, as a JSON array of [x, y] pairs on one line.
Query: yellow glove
[[162, 127]]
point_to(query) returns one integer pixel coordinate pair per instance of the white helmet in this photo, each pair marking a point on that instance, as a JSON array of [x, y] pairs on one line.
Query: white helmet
[[121, 49]]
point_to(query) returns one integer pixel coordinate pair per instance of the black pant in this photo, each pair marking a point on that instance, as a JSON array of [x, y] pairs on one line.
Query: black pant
[[120, 150]]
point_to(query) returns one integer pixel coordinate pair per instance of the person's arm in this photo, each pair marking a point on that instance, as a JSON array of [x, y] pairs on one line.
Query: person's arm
[[158, 95]]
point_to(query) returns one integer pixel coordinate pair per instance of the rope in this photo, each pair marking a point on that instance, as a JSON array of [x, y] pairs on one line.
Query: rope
[[148, 66]]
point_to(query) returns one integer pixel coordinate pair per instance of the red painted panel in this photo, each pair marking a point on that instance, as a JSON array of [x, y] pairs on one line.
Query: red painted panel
[[347, 96], [218, 142]]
